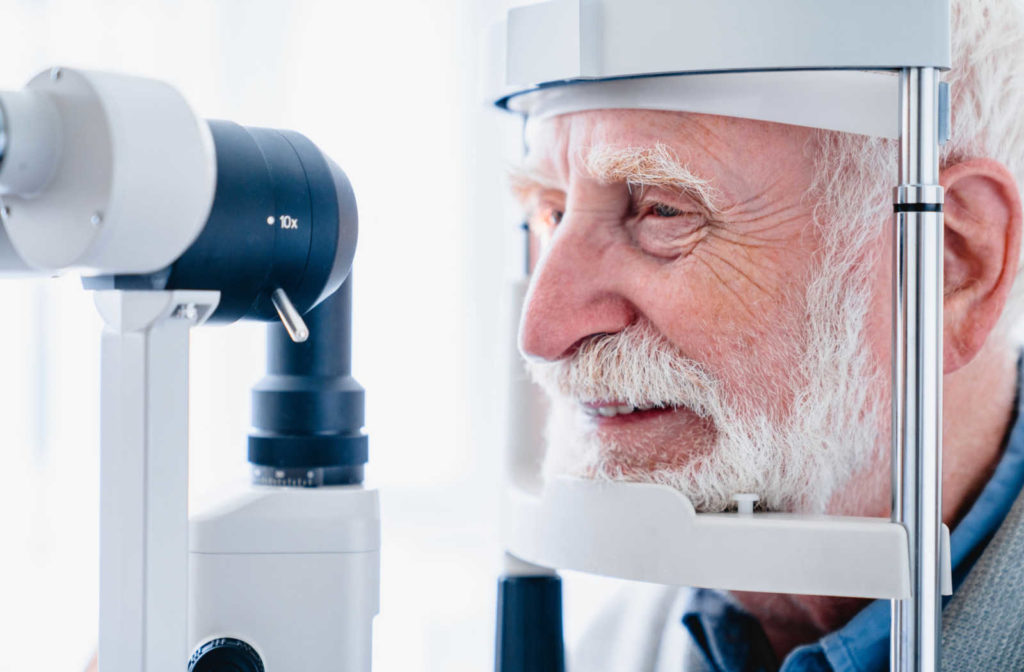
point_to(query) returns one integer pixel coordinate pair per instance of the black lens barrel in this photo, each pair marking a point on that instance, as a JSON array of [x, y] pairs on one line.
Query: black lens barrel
[[308, 411], [283, 217]]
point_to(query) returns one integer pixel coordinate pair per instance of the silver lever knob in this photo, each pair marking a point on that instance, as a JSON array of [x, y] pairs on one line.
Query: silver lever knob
[[290, 317]]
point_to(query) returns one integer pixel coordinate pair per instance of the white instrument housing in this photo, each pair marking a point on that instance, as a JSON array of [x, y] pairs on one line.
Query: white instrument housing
[[800, 62], [564, 40], [102, 173], [646, 532], [293, 572]]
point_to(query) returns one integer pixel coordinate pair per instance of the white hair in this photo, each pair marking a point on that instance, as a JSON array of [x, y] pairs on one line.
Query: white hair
[[987, 109]]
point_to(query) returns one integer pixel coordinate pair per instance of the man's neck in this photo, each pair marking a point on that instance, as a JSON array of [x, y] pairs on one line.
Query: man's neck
[[978, 405]]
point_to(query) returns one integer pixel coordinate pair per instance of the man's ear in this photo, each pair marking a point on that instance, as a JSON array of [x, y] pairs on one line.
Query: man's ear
[[982, 238]]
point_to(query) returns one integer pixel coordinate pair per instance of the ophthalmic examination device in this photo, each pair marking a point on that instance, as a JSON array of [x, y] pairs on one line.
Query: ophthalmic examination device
[[174, 221]]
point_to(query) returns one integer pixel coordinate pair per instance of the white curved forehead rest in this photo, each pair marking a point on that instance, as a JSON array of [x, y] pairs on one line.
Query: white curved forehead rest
[[839, 100], [799, 62]]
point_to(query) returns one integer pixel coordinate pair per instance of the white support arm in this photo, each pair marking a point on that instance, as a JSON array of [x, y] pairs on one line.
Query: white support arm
[[144, 477]]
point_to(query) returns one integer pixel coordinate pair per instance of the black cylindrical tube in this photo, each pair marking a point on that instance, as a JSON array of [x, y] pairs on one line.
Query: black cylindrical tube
[[308, 411], [327, 351], [529, 633]]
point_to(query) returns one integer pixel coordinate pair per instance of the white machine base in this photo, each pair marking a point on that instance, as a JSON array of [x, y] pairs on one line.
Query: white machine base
[[293, 572]]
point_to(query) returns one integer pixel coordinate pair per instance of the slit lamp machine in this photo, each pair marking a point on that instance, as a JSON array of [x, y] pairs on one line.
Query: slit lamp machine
[[175, 222]]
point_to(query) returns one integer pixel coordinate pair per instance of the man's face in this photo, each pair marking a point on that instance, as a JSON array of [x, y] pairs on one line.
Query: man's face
[[687, 317]]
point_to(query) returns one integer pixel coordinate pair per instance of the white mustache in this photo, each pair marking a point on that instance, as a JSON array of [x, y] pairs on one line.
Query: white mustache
[[636, 366]]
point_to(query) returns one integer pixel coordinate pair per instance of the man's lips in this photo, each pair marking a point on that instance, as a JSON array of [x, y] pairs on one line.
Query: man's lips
[[610, 412], [647, 439]]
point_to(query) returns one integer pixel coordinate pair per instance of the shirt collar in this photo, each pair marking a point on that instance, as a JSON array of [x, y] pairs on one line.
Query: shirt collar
[[729, 637], [715, 622]]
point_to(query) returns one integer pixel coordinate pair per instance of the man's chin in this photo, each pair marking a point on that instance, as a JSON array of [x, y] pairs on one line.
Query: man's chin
[[665, 447], [693, 462]]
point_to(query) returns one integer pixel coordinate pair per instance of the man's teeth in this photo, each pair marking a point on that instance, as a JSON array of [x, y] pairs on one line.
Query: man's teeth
[[611, 410]]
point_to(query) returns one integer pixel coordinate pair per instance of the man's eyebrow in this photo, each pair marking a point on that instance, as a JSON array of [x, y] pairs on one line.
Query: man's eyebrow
[[651, 166], [526, 179]]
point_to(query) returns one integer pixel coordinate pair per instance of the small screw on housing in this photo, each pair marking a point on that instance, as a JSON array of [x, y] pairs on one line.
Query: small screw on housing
[[745, 502], [187, 311]]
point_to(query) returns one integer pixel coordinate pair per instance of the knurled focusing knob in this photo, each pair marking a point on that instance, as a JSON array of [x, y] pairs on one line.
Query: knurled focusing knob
[[225, 655]]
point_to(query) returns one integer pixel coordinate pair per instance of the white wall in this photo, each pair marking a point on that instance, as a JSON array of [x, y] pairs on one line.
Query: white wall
[[389, 91]]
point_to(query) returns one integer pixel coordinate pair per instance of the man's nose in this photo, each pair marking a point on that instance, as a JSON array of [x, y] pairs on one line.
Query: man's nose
[[572, 296]]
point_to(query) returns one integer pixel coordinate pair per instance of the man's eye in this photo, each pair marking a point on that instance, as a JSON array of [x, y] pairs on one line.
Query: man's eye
[[663, 210], [544, 220]]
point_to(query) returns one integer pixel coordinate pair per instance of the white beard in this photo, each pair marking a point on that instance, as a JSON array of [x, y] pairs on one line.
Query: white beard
[[796, 462]]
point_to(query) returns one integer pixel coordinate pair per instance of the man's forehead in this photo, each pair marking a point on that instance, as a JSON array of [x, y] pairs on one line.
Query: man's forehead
[[558, 147]]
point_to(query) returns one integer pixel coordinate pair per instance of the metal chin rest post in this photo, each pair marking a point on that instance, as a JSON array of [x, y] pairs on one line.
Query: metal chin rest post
[[866, 67]]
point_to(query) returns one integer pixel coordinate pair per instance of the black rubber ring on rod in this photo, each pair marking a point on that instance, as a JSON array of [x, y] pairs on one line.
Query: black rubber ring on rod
[[917, 207]]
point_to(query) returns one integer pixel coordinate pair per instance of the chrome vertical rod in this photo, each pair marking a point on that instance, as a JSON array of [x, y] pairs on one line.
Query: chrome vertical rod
[[917, 371]]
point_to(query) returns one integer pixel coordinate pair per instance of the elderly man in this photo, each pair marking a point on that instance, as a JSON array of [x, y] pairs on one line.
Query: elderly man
[[711, 311]]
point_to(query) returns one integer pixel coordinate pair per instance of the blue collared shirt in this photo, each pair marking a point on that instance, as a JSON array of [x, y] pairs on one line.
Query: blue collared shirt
[[733, 641]]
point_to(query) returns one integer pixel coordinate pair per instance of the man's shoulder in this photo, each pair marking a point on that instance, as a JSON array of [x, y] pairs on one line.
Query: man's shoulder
[[639, 630]]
